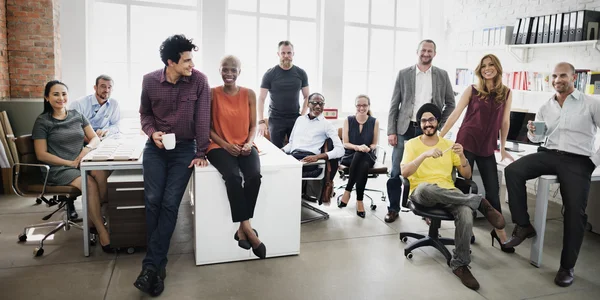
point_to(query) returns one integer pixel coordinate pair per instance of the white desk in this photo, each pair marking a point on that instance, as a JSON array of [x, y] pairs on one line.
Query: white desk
[[276, 216], [103, 165], [541, 203]]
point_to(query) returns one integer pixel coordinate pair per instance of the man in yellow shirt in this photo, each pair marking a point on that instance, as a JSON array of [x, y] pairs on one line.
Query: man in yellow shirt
[[428, 164]]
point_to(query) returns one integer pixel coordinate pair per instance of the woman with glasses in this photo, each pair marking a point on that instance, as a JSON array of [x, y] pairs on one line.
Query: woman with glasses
[[488, 112], [232, 150], [360, 136]]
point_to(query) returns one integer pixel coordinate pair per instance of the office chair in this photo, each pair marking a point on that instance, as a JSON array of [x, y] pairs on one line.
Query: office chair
[[437, 214], [312, 175], [29, 182], [378, 169]]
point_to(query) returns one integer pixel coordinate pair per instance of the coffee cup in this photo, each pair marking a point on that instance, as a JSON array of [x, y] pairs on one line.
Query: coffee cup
[[168, 141], [540, 127]]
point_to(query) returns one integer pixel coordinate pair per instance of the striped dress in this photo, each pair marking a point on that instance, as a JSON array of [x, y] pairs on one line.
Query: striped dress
[[64, 139]]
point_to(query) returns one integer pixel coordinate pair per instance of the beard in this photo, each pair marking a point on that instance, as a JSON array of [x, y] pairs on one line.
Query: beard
[[427, 128], [285, 62]]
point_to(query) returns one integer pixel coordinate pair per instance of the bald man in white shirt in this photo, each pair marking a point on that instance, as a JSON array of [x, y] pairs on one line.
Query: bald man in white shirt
[[571, 121]]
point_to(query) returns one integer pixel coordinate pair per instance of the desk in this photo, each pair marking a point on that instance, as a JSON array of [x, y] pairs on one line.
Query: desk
[[541, 203], [276, 216], [103, 165]]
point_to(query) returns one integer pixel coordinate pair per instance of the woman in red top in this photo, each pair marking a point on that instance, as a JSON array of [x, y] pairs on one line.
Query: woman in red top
[[233, 127], [488, 112]]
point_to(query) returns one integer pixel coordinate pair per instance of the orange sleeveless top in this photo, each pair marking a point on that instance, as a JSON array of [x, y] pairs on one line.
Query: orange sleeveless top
[[230, 116]]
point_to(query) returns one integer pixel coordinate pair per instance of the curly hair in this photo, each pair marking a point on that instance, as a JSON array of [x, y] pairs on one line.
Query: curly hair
[[173, 46], [499, 89]]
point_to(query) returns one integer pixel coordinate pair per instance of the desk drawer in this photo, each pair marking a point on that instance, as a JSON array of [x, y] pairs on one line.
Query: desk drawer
[[122, 197]]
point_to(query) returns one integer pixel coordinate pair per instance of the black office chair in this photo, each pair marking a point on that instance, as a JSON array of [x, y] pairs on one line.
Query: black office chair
[[436, 214]]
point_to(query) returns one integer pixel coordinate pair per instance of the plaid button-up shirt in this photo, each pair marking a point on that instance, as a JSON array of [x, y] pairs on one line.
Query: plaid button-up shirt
[[182, 108]]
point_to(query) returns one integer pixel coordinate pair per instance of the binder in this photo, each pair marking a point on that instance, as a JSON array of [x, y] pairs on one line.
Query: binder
[[546, 29], [587, 25], [565, 27], [558, 28], [527, 30], [552, 29], [486, 37], [572, 25], [535, 37], [497, 35], [515, 32], [505, 34]]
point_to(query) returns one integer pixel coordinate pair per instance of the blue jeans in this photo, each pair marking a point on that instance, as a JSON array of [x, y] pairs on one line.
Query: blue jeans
[[166, 175], [397, 153]]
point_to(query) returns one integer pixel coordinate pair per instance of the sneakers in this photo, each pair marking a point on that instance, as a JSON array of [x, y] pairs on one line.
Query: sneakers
[[491, 214], [466, 277], [150, 282]]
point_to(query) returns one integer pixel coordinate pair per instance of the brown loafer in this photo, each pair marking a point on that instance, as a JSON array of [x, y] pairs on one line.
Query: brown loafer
[[466, 277], [564, 277], [491, 214], [391, 216], [519, 234]]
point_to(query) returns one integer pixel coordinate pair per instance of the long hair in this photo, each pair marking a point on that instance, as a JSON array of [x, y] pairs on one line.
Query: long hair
[[499, 89], [368, 102], [47, 107]]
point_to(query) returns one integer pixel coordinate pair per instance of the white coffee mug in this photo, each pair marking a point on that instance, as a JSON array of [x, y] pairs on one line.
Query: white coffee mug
[[169, 141]]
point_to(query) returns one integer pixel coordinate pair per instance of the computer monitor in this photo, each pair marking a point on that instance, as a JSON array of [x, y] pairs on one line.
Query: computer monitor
[[517, 132]]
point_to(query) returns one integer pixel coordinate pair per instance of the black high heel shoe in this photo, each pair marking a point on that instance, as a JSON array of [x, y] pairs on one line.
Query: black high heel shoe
[[260, 251], [341, 203], [502, 247], [360, 213], [244, 244]]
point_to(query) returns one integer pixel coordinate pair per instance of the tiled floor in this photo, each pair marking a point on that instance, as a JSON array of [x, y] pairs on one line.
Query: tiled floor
[[345, 257]]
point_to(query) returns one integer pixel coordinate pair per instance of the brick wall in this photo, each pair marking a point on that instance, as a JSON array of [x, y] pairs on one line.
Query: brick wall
[[33, 45], [4, 83], [466, 15]]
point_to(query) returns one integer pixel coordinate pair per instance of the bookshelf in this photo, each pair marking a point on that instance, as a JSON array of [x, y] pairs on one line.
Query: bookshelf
[[524, 52]]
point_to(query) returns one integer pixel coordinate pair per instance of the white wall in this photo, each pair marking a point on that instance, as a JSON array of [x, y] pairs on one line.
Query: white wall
[[73, 32]]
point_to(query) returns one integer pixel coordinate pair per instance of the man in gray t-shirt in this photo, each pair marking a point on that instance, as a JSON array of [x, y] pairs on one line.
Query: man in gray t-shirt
[[284, 82]]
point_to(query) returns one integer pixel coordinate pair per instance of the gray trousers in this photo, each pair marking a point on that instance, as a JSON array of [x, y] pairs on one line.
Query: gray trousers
[[458, 204]]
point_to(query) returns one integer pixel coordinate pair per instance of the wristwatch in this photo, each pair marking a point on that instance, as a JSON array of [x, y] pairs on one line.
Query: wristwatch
[[261, 122], [90, 147]]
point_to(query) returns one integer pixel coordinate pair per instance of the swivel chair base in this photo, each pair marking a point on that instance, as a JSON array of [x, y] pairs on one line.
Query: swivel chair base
[[432, 239], [322, 215]]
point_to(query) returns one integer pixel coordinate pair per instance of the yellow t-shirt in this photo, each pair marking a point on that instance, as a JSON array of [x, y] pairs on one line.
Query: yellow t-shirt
[[432, 170]]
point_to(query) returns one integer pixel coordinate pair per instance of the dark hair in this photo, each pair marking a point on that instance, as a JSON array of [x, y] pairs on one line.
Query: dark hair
[[427, 41], [285, 43], [368, 101], [47, 107], [103, 77], [315, 94], [173, 46]]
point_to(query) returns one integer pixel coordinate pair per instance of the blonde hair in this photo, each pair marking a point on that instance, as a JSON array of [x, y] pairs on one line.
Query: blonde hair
[[368, 101], [231, 59], [500, 89]]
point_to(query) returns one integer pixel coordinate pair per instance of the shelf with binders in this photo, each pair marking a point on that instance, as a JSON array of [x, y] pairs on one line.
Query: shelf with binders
[[524, 52]]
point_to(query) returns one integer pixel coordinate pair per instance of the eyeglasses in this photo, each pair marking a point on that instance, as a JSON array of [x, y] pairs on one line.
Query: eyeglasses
[[315, 103], [430, 120], [362, 105]]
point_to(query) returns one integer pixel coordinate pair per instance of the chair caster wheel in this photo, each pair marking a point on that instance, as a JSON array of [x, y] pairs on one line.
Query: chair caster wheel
[[38, 201], [404, 239], [22, 237], [130, 250], [383, 198], [470, 251], [472, 239], [409, 255], [38, 252], [373, 207]]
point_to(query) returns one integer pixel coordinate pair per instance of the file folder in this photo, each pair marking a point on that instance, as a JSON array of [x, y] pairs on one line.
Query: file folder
[[527, 30], [572, 26], [546, 29], [558, 28], [552, 29], [515, 32], [535, 36], [565, 27], [587, 25]]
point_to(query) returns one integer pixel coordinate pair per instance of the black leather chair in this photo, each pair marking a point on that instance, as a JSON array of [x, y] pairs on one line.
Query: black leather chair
[[436, 214]]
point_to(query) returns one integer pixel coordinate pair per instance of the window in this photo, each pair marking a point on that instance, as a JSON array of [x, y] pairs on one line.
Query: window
[[254, 28], [125, 46], [380, 38]]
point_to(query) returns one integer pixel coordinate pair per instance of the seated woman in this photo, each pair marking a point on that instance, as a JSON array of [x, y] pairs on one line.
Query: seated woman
[[233, 128], [58, 136], [361, 133]]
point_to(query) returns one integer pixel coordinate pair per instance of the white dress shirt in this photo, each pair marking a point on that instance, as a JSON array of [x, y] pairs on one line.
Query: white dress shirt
[[423, 90], [105, 117], [310, 135], [572, 127]]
